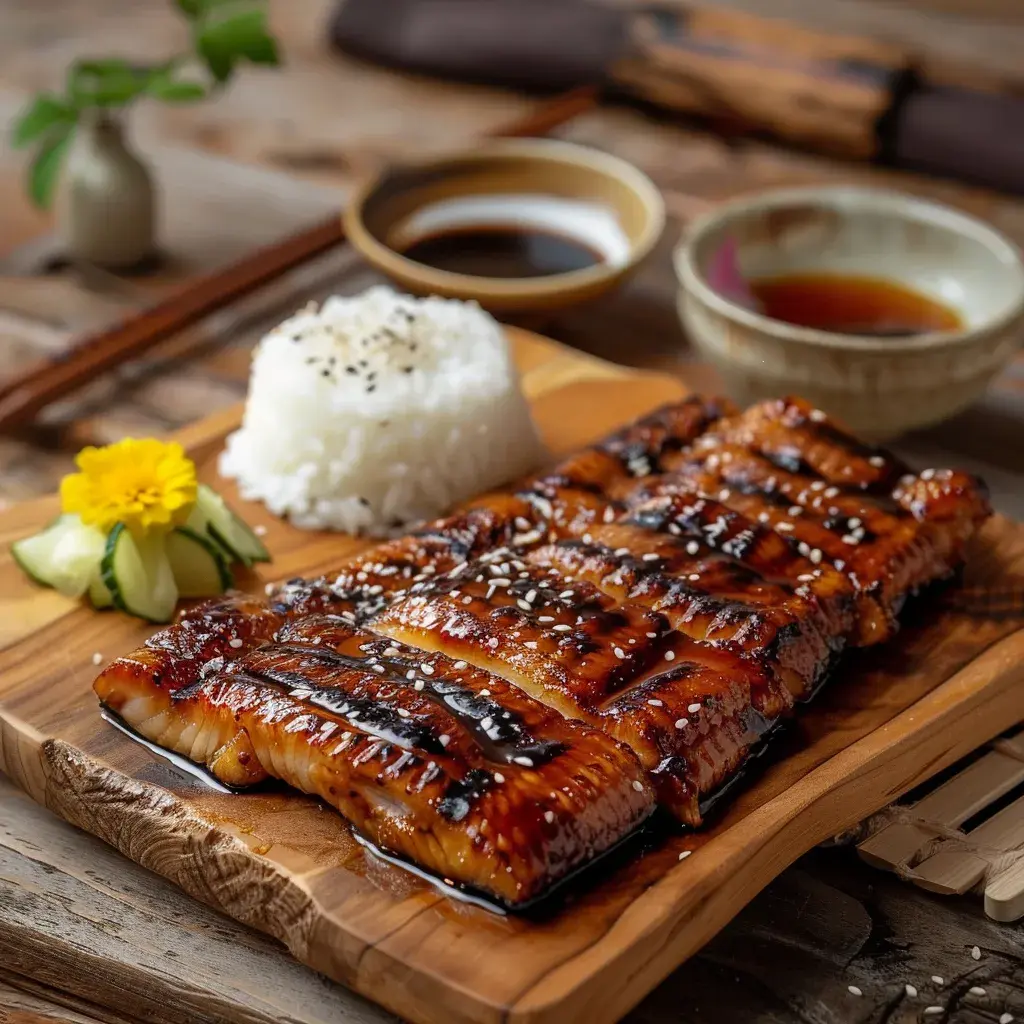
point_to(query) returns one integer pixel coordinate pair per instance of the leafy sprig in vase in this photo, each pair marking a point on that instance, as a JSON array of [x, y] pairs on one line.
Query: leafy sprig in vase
[[106, 209]]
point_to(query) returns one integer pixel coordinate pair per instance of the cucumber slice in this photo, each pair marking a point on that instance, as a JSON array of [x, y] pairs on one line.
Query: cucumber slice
[[230, 532], [200, 570], [99, 595], [138, 574], [65, 555]]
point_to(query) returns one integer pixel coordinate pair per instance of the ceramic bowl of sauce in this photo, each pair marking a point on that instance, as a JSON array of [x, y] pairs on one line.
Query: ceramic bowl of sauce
[[887, 311], [517, 224]]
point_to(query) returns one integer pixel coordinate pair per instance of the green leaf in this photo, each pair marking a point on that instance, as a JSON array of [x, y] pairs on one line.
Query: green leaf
[[243, 35], [163, 86], [104, 83], [176, 92], [190, 8], [44, 113], [45, 169]]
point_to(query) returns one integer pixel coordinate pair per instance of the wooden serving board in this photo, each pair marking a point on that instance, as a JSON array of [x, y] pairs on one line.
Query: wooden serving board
[[290, 867]]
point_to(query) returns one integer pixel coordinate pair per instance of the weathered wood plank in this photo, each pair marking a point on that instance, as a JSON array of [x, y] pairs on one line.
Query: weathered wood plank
[[787, 959], [78, 917]]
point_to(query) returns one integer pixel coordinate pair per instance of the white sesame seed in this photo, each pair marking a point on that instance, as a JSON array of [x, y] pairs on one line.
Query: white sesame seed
[[525, 605], [650, 557], [545, 618], [655, 703], [832, 492], [927, 474], [795, 510], [849, 538], [426, 669], [499, 778], [621, 551], [444, 739], [651, 636], [566, 594], [531, 597], [692, 547], [685, 854], [876, 460], [492, 642], [562, 628], [805, 577], [932, 1010], [638, 785], [531, 645], [235, 642], [524, 761], [670, 655], [817, 415], [549, 816], [618, 652], [815, 556], [938, 979], [1006, 1018], [467, 600], [976, 990], [910, 990], [682, 723], [97, 658], [693, 576], [853, 522], [975, 953], [609, 514], [403, 713], [693, 708], [853, 990], [418, 685], [784, 526], [486, 723], [268, 589], [260, 530]]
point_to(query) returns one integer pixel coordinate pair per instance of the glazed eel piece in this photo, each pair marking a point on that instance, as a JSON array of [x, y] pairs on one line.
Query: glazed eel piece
[[844, 505], [438, 762]]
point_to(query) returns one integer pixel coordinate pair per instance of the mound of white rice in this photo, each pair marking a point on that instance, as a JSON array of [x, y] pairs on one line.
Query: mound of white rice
[[378, 411]]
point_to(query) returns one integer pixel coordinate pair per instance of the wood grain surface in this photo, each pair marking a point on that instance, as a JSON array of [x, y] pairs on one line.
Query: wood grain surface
[[282, 863]]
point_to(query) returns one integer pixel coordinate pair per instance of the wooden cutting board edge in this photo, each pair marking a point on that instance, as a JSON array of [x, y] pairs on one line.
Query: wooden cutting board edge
[[657, 931]]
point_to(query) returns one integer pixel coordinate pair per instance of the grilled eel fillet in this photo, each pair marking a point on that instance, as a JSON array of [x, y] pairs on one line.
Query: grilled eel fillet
[[676, 587], [446, 765]]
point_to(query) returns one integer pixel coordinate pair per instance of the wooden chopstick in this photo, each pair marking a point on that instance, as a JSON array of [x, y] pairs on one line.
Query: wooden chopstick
[[24, 396]]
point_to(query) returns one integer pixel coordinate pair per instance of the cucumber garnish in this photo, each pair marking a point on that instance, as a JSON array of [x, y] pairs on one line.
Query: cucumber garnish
[[63, 556], [227, 529], [138, 574], [199, 567]]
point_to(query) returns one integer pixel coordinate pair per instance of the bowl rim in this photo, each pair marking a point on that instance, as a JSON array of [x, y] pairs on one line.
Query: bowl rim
[[551, 150], [900, 204]]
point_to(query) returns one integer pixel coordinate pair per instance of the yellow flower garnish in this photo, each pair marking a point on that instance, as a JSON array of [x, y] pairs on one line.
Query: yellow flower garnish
[[144, 484]]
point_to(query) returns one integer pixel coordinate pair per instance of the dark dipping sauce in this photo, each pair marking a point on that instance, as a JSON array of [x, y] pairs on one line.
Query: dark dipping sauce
[[496, 251], [852, 304]]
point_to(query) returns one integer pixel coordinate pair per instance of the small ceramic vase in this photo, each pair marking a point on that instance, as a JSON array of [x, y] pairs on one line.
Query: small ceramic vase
[[106, 213]]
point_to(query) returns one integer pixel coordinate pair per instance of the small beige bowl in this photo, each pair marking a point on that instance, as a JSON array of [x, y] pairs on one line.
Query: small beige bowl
[[880, 387], [572, 190]]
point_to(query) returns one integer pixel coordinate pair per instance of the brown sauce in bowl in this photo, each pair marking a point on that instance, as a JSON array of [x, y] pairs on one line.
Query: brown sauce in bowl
[[853, 304], [502, 252]]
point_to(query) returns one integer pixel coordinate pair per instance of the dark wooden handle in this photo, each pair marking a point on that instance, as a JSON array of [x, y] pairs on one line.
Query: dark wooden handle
[[24, 396], [826, 92]]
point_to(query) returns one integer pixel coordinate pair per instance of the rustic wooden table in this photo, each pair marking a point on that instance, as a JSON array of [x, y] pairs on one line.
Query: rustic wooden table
[[86, 935]]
